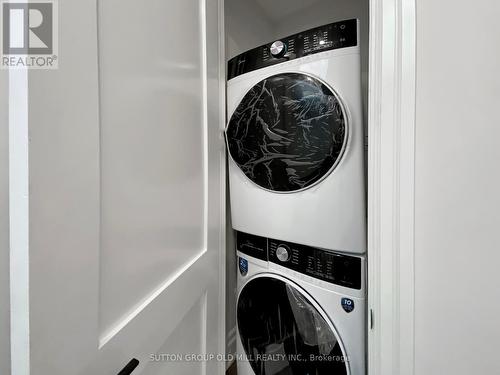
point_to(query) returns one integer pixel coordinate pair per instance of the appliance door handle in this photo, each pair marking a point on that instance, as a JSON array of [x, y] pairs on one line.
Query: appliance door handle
[[131, 366]]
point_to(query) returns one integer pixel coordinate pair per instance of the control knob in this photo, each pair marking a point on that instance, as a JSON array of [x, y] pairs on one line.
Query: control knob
[[283, 253], [278, 49]]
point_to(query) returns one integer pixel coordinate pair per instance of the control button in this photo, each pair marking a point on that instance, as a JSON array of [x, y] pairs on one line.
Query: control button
[[282, 253], [278, 49]]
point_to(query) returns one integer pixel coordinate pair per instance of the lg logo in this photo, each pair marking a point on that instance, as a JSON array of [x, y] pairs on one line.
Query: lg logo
[[28, 28]]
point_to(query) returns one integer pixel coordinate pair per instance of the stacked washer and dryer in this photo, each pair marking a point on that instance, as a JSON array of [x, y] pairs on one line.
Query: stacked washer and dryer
[[297, 188]]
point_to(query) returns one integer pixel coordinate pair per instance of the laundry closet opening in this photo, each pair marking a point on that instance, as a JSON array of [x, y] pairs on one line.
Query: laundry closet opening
[[296, 136]]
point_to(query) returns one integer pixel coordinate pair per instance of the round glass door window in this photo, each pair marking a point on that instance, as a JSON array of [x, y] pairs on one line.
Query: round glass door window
[[288, 132], [284, 334]]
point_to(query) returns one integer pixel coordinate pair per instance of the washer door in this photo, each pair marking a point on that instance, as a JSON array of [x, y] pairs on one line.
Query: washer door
[[288, 132], [284, 334]]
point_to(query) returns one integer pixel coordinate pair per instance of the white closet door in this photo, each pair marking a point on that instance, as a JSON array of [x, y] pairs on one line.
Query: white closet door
[[126, 193]]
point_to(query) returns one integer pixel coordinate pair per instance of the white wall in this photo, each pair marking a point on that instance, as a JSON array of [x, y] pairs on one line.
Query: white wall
[[247, 26], [4, 226], [457, 188]]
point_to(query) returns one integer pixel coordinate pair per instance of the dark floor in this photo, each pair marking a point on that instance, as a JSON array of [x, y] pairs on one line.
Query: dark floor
[[231, 370]]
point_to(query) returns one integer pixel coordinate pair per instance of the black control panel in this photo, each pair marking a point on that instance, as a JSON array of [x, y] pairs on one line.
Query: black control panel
[[324, 38], [254, 246], [340, 269]]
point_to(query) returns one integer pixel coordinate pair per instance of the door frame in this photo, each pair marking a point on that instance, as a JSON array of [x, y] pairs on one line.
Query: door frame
[[222, 366], [391, 187]]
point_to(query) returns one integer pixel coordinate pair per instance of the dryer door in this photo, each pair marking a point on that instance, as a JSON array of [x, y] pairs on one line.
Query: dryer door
[[284, 334], [288, 132]]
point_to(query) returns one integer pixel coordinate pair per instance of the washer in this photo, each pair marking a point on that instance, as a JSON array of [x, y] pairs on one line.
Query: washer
[[300, 310], [295, 139]]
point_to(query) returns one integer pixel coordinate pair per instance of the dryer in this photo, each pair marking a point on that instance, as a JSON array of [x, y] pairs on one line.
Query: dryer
[[300, 310], [295, 139]]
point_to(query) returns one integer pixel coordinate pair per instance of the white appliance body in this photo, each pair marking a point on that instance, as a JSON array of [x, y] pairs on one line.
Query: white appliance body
[[330, 214], [325, 297]]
